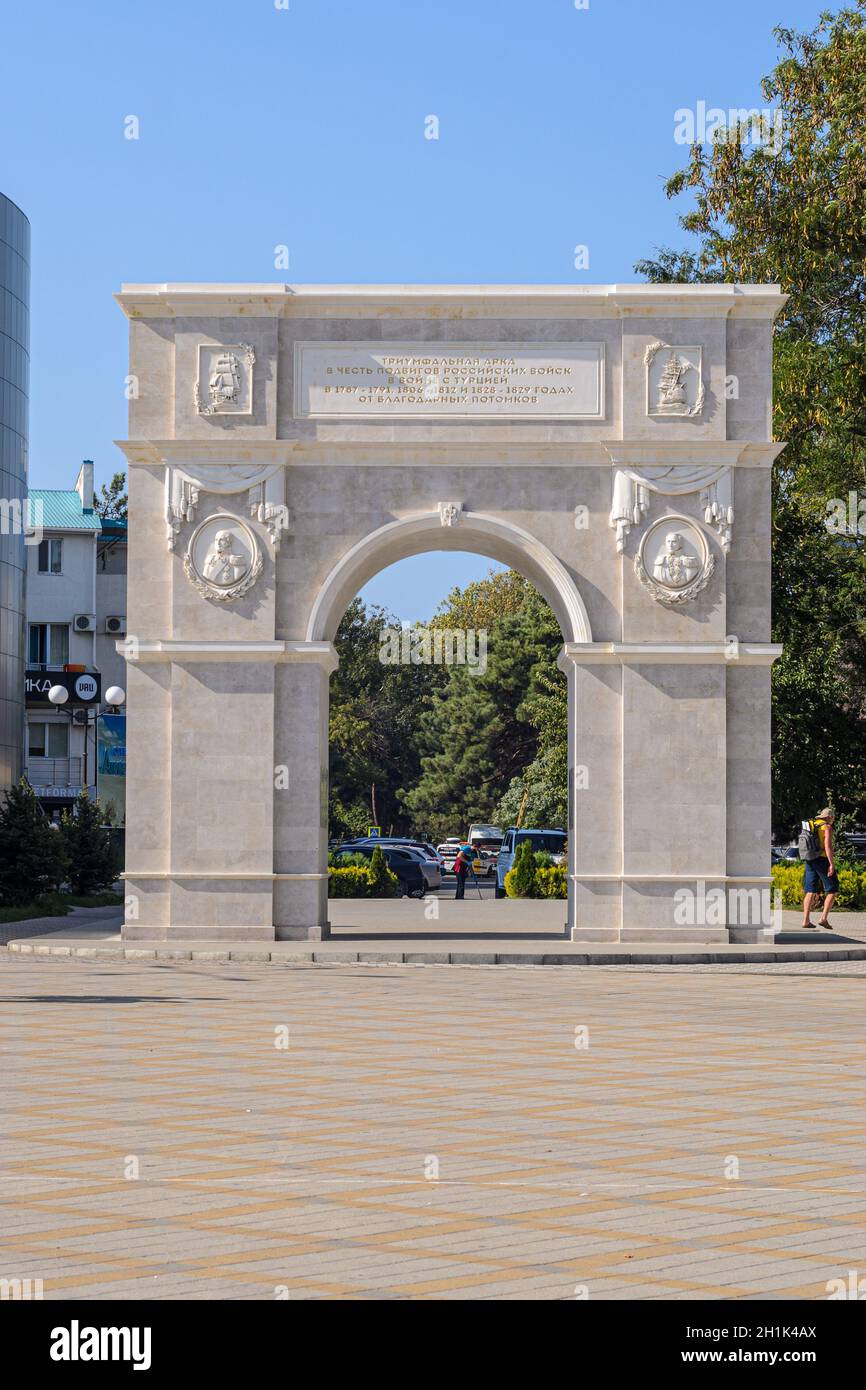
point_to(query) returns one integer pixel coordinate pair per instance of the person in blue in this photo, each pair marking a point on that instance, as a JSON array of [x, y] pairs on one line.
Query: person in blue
[[462, 865], [820, 876]]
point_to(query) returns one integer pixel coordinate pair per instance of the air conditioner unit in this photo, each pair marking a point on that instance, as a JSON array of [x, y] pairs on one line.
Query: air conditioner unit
[[115, 625], [79, 716], [84, 622]]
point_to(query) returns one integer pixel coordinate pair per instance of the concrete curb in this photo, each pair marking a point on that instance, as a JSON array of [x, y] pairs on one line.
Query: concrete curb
[[216, 955]]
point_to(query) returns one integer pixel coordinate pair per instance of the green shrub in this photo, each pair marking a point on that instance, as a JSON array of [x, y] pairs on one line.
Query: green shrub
[[551, 882], [852, 886], [92, 863], [383, 883], [359, 881], [32, 855], [852, 889], [788, 878], [520, 879], [351, 882]]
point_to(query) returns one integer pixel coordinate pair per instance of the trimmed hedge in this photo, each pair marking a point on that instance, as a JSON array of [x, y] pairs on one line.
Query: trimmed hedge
[[357, 882], [852, 886], [547, 881], [551, 882]]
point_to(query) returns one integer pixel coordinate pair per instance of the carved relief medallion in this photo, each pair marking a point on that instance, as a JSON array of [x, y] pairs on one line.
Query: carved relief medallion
[[224, 385], [674, 380], [223, 560], [674, 562]]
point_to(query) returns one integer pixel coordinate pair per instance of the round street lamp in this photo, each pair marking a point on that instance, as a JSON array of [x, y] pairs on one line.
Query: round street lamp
[[114, 695], [58, 694]]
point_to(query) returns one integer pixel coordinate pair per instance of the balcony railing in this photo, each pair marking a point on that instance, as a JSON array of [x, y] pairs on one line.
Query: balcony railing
[[55, 772]]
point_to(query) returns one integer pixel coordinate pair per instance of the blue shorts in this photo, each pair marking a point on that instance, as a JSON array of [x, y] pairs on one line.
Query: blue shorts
[[818, 878]]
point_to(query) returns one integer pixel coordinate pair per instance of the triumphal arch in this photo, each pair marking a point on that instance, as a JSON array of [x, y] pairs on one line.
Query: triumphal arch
[[286, 442]]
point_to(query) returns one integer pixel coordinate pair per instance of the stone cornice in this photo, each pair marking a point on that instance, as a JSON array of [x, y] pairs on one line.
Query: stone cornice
[[170, 649], [470, 301], [629, 453], [668, 653], [547, 454]]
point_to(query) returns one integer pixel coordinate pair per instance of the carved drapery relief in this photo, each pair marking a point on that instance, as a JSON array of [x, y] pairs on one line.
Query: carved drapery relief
[[632, 488], [265, 488]]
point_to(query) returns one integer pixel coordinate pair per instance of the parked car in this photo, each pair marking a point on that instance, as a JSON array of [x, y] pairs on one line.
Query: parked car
[[448, 853], [409, 870], [425, 855], [550, 842]]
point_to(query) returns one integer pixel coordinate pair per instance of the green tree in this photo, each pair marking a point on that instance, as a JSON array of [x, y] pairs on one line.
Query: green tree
[[475, 736], [111, 501], [375, 710], [501, 594], [89, 852], [32, 860], [541, 790], [383, 883], [523, 869], [793, 211]]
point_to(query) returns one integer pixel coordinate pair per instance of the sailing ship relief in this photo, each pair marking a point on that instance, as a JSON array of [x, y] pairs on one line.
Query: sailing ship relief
[[674, 380], [225, 379]]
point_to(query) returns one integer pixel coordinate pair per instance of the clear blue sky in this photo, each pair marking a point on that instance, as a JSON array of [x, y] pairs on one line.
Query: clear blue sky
[[261, 126]]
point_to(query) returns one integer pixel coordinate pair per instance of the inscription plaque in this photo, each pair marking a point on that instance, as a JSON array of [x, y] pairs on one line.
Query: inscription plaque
[[512, 381]]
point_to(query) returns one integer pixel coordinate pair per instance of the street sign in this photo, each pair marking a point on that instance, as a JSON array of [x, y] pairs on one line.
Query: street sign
[[84, 687], [373, 832]]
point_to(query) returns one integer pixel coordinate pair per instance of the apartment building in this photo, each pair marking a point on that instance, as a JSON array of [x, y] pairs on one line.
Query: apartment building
[[75, 612]]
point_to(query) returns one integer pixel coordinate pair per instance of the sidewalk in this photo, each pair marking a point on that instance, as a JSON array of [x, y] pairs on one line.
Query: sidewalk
[[399, 935]]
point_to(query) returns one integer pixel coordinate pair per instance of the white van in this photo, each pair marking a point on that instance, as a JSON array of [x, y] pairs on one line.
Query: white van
[[486, 842]]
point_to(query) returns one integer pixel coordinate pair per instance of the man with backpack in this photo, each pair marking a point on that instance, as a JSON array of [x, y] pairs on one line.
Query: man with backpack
[[815, 847]]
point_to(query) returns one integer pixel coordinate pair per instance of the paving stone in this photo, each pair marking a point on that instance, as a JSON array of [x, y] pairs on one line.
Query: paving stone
[[431, 1134]]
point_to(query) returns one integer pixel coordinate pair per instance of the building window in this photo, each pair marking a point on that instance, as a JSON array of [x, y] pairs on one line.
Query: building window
[[48, 740], [49, 644], [51, 555]]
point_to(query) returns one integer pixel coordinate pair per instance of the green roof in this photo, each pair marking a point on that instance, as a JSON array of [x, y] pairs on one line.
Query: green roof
[[60, 510]]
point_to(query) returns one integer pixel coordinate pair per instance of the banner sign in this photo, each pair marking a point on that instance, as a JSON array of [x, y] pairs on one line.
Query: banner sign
[[84, 687], [111, 764]]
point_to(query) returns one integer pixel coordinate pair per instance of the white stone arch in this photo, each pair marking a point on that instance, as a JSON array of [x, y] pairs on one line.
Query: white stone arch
[[474, 531]]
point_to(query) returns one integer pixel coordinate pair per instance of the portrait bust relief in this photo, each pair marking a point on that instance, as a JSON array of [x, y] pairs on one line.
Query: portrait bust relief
[[674, 563], [223, 560], [224, 564]]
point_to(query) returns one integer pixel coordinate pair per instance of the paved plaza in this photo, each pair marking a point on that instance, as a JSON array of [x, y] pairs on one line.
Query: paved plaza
[[367, 1131]]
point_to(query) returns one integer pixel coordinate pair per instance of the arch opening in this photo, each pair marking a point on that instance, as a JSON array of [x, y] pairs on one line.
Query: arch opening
[[475, 531]]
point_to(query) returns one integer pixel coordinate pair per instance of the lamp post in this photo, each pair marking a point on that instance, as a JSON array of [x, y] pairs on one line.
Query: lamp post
[[58, 695]]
